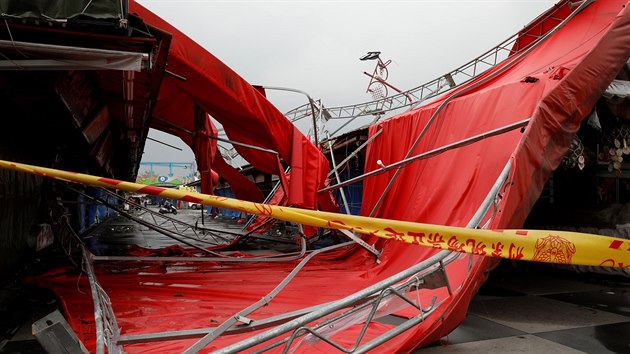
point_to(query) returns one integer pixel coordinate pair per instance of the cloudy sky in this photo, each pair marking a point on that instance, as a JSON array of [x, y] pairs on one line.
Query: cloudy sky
[[315, 46]]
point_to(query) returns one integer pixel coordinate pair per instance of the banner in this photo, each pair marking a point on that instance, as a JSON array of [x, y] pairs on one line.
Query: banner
[[560, 247]]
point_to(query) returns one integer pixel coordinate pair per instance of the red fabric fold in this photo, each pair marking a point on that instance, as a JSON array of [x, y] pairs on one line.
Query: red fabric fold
[[245, 114]]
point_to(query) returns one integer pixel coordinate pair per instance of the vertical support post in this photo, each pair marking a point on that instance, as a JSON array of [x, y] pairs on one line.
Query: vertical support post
[[310, 101], [332, 159]]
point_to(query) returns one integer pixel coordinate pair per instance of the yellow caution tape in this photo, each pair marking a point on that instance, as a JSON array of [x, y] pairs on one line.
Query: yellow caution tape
[[534, 245]]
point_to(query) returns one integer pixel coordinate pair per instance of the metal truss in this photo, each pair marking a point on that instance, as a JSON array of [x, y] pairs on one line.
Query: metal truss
[[368, 300], [416, 96], [513, 60], [107, 330], [377, 307]]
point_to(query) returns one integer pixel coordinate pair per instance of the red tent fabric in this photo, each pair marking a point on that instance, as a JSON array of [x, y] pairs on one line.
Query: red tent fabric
[[573, 67], [246, 115]]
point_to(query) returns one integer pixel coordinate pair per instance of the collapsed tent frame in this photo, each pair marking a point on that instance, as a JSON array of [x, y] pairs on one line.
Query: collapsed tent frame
[[329, 308]]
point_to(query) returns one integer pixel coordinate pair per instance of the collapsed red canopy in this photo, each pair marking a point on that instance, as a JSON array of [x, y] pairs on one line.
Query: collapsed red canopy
[[573, 67], [246, 115]]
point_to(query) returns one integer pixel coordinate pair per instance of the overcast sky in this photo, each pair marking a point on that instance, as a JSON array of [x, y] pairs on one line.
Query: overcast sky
[[315, 46]]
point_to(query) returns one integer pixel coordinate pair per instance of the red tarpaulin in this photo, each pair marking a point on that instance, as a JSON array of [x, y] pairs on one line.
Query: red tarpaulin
[[246, 115], [572, 69]]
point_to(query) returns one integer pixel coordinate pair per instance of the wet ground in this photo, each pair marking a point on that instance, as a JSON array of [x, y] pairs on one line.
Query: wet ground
[[116, 234], [531, 308], [522, 308]]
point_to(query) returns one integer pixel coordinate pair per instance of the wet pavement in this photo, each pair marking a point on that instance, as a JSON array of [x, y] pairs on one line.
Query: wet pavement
[[115, 235], [533, 308], [522, 308]]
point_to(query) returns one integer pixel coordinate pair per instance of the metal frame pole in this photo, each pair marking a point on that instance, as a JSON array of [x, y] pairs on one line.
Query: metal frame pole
[[268, 198], [346, 123], [253, 147], [431, 153], [332, 160], [355, 152], [310, 102]]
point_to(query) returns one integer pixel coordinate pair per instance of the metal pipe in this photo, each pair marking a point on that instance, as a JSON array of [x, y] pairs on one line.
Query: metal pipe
[[243, 144], [487, 202], [48, 48], [332, 160], [310, 102], [316, 141], [200, 332], [355, 152], [199, 259], [163, 143], [172, 74], [432, 153]]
